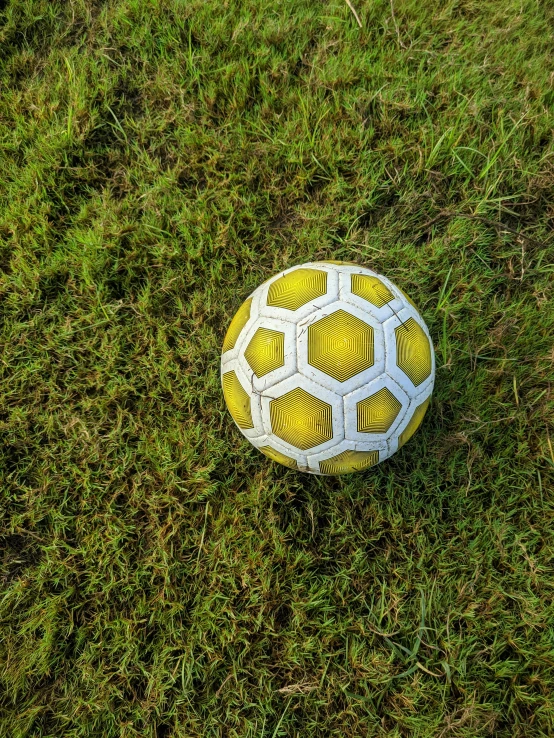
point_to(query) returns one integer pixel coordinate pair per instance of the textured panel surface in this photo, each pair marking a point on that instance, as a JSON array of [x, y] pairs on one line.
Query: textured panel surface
[[265, 351], [327, 368], [415, 422], [295, 289], [237, 324], [237, 399], [371, 415], [349, 461], [378, 412], [413, 351], [266, 357], [370, 289], [275, 455], [301, 419], [340, 345]]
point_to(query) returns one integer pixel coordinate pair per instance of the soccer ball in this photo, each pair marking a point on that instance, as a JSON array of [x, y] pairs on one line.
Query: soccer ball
[[328, 368]]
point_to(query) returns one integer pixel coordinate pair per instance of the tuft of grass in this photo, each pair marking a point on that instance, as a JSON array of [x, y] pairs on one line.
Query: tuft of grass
[[158, 576]]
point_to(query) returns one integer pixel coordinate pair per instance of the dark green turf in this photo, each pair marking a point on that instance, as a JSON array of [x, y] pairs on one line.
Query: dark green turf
[[159, 577]]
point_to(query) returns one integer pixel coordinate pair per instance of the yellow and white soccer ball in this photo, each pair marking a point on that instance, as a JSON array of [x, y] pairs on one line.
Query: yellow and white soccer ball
[[328, 368]]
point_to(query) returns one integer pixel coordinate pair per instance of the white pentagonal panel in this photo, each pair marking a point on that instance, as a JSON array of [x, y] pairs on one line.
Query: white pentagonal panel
[[407, 360], [268, 349], [302, 414], [373, 412], [346, 350]]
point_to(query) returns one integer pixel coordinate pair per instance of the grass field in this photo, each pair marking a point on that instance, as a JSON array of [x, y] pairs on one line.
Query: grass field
[[158, 577]]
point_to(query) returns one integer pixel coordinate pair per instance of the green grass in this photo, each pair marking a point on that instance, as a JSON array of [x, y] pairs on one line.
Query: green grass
[[158, 577]]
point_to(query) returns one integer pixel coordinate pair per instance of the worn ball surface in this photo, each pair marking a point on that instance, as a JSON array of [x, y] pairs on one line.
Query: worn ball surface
[[328, 368]]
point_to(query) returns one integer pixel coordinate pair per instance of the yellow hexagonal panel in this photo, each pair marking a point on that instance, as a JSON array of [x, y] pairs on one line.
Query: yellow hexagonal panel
[[295, 289], [371, 289], [237, 324], [349, 461], [340, 345], [378, 412], [265, 351], [415, 422], [301, 419], [237, 399], [413, 351], [275, 455]]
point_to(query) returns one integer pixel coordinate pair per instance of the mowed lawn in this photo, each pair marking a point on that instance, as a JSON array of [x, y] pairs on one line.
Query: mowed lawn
[[160, 578]]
